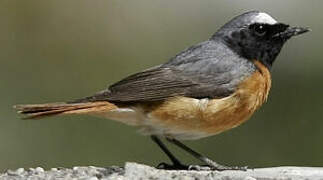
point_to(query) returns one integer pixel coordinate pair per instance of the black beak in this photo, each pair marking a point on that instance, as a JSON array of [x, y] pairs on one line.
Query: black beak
[[291, 31]]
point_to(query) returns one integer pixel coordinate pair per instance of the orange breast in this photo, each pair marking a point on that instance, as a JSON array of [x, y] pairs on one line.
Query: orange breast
[[189, 115]]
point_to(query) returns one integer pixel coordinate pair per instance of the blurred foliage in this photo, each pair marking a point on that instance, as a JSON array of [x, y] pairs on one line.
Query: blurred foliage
[[60, 50]]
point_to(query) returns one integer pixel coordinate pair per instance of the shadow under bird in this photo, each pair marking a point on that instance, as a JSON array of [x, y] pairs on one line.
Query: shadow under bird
[[204, 90]]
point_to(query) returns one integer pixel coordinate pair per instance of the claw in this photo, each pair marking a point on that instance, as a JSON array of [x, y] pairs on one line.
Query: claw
[[162, 165], [216, 167], [199, 168], [224, 168], [172, 166]]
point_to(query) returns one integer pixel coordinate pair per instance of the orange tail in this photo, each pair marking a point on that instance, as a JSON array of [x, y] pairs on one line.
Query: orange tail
[[33, 111]]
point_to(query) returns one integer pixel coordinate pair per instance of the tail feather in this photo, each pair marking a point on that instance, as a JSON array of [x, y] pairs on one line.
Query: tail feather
[[33, 111]]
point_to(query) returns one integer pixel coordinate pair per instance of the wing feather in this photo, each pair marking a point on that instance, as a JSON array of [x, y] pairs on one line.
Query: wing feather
[[150, 85], [206, 70]]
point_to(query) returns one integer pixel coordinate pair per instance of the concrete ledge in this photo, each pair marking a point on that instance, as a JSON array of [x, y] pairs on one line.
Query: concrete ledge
[[133, 171]]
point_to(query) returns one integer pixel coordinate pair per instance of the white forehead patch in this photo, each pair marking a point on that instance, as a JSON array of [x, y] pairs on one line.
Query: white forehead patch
[[264, 18]]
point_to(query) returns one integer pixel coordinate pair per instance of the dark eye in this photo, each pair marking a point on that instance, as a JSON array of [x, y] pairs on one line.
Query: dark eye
[[260, 29]]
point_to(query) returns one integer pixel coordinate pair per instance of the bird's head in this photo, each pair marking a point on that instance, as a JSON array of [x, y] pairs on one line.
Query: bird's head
[[257, 36]]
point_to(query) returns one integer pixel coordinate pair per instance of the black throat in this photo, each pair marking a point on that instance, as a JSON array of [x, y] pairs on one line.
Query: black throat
[[248, 43], [265, 52]]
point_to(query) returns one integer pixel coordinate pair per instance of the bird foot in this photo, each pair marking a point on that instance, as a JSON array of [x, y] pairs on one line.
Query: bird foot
[[166, 166], [216, 167], [225, 168]]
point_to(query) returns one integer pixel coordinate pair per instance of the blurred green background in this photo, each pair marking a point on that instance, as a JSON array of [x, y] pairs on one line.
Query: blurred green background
[[60, 50]]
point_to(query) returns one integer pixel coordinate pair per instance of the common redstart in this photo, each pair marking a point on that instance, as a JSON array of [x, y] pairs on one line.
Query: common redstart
[[209, 88]]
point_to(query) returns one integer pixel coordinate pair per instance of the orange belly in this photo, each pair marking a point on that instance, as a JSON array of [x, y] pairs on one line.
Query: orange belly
[[189, 118]]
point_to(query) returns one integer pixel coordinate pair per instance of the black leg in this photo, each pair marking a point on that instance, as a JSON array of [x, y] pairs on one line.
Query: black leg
[[202, 158], [176, 163]]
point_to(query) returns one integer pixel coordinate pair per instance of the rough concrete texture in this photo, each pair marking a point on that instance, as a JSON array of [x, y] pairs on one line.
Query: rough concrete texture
[[133, 171]]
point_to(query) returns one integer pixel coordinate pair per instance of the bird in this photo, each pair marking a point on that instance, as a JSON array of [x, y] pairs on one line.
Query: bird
[[206, 89]]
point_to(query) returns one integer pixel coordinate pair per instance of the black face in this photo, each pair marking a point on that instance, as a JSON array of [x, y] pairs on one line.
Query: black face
[[256, 41]]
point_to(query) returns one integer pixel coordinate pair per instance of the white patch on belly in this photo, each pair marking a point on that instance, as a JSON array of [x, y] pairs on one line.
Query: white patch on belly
[[152, 126], [148, 126], [130, 116], [202, 103]]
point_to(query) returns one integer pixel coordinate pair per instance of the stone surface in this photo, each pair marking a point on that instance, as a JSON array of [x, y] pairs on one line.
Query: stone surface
[[135, 171]]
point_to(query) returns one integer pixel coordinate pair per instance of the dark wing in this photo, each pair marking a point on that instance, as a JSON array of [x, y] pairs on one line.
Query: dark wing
[[155, 84], [206, 70], [150, 85]]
